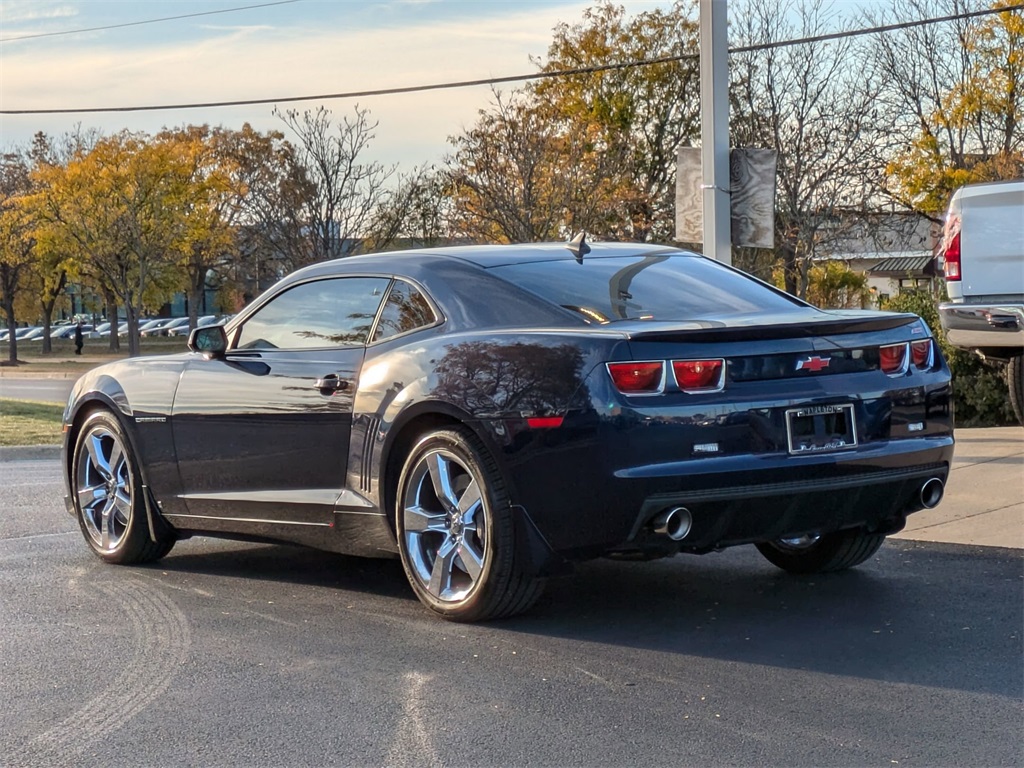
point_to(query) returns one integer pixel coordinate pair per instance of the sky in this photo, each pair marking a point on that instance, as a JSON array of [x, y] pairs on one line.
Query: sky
[[304, 47], [259, 49]]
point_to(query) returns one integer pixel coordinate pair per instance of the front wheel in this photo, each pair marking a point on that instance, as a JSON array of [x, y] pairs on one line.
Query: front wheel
[[107, 493], [812, 553], [456, 532]]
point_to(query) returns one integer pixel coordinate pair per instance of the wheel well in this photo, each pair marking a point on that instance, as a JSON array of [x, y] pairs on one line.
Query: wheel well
[[76, 426], [403, 442], [82, 415]]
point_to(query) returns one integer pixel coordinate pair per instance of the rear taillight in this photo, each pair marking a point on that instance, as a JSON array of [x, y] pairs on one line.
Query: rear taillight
[[645, 378], [921, 353], [951, 248], [893, 358], [699, 375]]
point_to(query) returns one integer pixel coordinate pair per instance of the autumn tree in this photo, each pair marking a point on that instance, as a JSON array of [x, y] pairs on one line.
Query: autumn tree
[[17, 243], [270, 225], [818, 112], [339, 190], [211, 201], [833, 284], [590, 151], [954, 93], [632, 119], [516, 176], [118, 211], [418, 212], [49, 276]]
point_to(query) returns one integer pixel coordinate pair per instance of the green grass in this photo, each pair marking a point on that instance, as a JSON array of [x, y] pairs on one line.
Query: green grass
[[95, 352], [24, 422]]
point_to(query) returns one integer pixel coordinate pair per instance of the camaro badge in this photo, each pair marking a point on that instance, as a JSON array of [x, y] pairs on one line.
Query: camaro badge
[[813, 364]]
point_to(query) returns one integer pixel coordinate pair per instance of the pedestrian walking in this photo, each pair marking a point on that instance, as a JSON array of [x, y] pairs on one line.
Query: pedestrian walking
[[78, 337]]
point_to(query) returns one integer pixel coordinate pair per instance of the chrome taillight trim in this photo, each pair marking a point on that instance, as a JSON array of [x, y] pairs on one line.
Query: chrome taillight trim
[[650, 393], [929, 363], [904, 367], [700, 390]]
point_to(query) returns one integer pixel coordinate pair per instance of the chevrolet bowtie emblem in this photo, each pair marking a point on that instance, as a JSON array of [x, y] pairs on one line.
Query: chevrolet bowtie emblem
[[813, 364]]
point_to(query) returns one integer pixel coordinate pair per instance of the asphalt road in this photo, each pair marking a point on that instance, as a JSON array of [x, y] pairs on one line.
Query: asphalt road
[[240, 654], [43, 390]]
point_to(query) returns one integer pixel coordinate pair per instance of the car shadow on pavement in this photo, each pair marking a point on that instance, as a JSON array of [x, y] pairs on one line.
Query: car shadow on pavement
[[939, 615], [947, 616], [286, 564]]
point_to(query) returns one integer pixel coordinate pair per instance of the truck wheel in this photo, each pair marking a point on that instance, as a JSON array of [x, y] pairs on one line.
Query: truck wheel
[[1015, 383]]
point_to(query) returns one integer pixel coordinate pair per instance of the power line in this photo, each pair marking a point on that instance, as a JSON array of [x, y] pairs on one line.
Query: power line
[[145, 21], [516, 78]]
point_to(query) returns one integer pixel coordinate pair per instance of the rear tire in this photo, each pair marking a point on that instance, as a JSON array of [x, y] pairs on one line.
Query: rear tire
[[107, 492], [817, 554], [456, 531], [1015, 383]]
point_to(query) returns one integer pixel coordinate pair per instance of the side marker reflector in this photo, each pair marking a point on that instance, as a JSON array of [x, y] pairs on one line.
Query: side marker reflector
[[544, 422]]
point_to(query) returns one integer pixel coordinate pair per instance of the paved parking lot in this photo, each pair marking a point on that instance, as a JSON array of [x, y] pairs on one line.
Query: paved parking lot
[[241, 654]]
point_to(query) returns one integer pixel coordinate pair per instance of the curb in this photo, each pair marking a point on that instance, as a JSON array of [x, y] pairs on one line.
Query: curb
[[29, 452], [43, 375]]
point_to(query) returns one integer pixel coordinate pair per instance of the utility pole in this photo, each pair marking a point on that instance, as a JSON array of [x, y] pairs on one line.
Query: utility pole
[[714, 128]]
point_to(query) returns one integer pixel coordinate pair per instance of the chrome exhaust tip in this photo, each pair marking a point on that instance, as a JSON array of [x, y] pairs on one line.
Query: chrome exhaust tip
[[674, 523], [931, 493]]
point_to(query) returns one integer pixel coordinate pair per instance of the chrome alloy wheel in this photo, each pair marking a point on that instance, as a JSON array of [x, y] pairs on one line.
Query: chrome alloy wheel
[[798, 542], [103, 485], [445, 525]]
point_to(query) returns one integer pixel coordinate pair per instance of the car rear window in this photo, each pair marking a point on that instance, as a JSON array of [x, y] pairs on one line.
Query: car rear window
[[653, 287]]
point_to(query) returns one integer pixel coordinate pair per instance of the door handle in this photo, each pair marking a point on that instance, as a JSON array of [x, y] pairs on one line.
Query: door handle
[[331, 383]]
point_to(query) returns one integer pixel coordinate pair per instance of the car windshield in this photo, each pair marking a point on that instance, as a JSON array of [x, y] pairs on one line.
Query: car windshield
[[655, 287]]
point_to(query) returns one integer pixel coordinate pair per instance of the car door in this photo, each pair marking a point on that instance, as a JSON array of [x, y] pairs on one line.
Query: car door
[[262, 434]]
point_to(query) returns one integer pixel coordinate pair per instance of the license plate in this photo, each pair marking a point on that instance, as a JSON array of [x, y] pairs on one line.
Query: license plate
[[819, 428]]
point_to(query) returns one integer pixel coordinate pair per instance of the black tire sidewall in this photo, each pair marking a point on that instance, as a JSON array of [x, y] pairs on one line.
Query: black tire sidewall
[[832, 552]]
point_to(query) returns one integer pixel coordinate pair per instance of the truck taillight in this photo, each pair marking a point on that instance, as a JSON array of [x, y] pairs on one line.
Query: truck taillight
[[699, 375], [893, 358], [951, 248], [643, 378]]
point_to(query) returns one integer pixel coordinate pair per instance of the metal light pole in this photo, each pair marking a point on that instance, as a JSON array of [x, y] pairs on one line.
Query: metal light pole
[[714, 128]]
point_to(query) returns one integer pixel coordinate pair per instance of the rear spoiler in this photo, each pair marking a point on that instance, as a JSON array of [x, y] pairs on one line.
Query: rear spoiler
[[710, 330]]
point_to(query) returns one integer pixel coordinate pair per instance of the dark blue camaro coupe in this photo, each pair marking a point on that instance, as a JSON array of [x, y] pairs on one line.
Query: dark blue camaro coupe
[[492, 414]]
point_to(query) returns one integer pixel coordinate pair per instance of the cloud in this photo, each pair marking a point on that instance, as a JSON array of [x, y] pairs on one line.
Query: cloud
[[254, 62], [20, 11]]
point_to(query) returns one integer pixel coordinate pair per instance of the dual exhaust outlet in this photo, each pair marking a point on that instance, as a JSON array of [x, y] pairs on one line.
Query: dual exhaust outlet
[[676, 522], [931, 492]]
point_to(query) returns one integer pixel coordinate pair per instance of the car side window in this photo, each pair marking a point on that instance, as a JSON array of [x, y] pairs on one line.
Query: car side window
[[336, 312], [406, 309]]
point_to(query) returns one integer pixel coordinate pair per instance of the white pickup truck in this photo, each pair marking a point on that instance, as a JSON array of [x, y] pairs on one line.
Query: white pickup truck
[[983, 254]]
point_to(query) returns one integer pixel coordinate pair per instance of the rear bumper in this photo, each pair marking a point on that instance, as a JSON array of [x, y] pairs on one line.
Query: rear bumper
[[983, 325], [878, 501], [732, 500]]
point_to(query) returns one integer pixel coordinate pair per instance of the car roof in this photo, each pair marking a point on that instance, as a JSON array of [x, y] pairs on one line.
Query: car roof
[[486, 256]]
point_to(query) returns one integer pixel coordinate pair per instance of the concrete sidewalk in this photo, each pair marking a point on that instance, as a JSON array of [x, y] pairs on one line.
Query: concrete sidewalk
[[983, 504], [984, 501]]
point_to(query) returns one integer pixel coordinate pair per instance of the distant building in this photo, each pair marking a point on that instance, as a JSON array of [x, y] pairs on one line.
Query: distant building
[[895, 249]]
